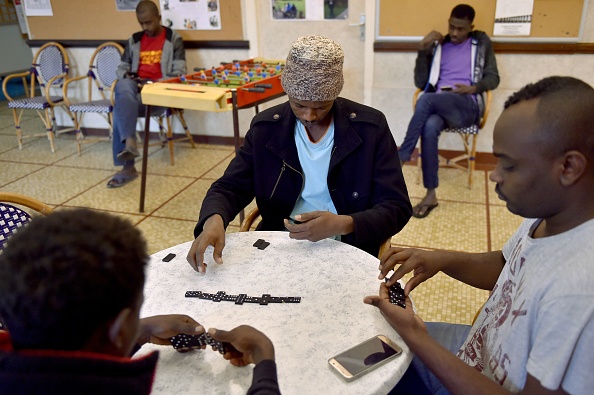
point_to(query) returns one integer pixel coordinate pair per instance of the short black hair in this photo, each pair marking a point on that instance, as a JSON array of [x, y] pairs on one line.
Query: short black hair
[[565, 113], [65, 275], [463, 11], [147, 6]]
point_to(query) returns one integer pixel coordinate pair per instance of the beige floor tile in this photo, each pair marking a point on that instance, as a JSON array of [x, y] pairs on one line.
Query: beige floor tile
[[7, 124], [453, 185], [37, 150], [443, 299], [56, 187], [162, 233], [503, 225], [186, 205], [12, 171], [95, 155], [159, 190], [8, 143], [191, 162], [219, 169], [450, 226]]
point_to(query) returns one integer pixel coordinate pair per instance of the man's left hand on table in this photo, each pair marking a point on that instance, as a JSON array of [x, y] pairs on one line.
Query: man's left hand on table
[[319, 225]]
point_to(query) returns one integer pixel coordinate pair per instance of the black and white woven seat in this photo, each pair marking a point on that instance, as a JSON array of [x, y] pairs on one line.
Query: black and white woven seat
[[97, 106], [11, 220], [472, 129], [49, 70], [34, 103]]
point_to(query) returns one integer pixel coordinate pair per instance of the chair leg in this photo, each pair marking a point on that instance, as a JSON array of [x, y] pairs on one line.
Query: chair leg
[[17, 126], [79, 135], [182, 120], [49, 128], [471, 160]]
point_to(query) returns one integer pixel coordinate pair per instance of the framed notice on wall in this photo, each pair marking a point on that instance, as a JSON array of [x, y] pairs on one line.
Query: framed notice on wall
[[191, 14]]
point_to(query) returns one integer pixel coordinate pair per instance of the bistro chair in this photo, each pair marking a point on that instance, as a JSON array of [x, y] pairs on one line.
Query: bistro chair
[[49, 70], [101, 80]]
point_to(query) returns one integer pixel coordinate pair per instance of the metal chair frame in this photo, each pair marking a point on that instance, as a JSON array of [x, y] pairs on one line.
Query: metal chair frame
[[49, 69], [468, 135]]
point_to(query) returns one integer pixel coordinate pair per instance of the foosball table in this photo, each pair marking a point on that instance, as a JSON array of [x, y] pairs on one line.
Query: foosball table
[[231, 87]]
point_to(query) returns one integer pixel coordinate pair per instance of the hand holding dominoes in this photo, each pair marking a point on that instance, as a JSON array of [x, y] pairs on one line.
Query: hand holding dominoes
[[185, 342], [241, 346], [396, 294]]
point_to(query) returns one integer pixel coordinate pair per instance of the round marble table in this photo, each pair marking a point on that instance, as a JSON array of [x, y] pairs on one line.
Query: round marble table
[[331, 277]]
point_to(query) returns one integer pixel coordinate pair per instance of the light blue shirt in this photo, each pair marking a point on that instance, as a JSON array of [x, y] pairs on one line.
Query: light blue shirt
[[315, 161]]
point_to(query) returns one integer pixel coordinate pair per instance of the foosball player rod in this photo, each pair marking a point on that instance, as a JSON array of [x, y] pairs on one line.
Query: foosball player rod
[[257, 90]]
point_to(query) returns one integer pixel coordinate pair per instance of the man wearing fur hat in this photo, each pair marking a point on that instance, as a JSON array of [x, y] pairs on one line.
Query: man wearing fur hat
[[318, 165]]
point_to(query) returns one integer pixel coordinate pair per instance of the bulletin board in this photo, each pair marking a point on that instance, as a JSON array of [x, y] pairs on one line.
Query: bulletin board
[[401, 19], [100, 20]]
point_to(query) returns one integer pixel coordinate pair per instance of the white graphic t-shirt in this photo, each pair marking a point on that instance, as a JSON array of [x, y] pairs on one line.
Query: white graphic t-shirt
[[540, 316]]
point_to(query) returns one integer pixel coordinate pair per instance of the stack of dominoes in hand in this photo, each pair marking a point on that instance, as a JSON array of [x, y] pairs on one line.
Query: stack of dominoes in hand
[[184, 341], [396, 294]]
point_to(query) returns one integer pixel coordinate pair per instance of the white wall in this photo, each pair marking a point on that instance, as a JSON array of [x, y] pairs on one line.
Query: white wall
[[16, 55]]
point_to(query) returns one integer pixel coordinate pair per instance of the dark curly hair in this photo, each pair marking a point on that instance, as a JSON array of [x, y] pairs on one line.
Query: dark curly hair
[[65, 275], [565, 112], [463, 11]]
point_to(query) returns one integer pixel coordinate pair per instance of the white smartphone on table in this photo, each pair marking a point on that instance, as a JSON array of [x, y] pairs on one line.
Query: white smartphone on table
[[364, 357]]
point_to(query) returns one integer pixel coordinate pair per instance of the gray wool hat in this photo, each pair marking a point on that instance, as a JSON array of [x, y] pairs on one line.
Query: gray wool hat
[[313, 70]]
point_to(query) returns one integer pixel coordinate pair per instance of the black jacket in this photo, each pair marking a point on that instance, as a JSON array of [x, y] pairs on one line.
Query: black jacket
[[364, 178]]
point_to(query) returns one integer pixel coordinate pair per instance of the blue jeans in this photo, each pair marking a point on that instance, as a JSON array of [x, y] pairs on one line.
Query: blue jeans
[[433, 113], [127, 108], [418, 380]]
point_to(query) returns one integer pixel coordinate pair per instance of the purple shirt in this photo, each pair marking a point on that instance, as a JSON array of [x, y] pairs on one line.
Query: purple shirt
[[455, 64]]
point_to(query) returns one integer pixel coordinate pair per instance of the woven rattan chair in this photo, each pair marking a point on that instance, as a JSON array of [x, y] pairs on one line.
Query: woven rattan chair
[[49, 70], [466, 161], [13, 218], [101, 79], [253, 215]]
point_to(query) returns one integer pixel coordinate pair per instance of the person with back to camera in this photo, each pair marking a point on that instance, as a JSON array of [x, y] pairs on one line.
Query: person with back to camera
[[453, 71], [71, 289], [535, 333], [152, 54], [322, 160]]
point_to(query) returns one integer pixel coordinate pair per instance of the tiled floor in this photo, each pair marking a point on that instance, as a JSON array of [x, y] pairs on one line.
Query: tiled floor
[[466, 220]]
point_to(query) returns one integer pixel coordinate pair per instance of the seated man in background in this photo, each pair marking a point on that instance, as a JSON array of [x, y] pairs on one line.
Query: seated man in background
[[535, 334], [453, 71], [71, 288], [329, 164], [155, 53]]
